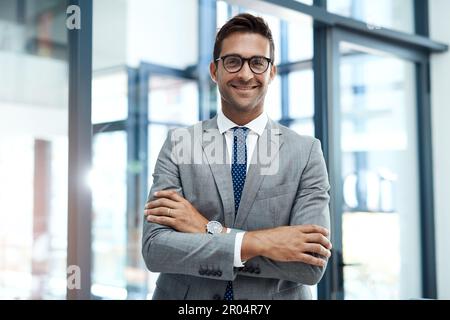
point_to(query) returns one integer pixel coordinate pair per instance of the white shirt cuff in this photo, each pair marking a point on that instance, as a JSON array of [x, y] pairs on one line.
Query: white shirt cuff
[[237, 249]]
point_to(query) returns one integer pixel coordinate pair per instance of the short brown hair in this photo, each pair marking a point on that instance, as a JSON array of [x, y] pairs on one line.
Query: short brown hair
[[246, 23]]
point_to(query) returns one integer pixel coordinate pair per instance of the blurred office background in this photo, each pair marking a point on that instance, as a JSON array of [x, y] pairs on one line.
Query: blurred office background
[[372, 85]]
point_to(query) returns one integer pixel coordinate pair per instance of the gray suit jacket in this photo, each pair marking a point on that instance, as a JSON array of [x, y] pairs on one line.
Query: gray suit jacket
[[292, 191]]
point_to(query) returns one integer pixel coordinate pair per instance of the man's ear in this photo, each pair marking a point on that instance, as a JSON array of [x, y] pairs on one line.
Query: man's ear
[[213, 71], [273, 73]]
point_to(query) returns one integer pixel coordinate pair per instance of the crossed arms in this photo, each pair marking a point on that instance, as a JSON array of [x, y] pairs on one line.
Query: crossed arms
[[174, 238]]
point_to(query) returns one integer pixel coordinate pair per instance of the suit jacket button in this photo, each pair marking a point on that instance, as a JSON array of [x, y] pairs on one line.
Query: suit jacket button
[[219, 273], [217, 297], [257, 270]]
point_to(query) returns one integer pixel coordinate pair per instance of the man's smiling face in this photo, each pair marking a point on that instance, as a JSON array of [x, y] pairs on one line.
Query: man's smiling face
[[243, 91]]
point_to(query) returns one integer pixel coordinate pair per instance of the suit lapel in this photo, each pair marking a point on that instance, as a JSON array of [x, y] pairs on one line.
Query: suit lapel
[[254, 177], [220, 171]]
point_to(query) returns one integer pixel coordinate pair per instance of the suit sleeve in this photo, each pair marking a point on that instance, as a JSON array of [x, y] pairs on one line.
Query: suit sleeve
[[310, 207], [169, 251]]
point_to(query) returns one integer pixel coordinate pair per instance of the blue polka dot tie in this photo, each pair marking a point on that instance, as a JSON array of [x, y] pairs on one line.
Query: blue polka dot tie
[[238, 174]]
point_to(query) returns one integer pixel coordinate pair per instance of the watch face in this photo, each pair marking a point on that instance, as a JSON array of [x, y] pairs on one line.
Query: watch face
[[214, 227]]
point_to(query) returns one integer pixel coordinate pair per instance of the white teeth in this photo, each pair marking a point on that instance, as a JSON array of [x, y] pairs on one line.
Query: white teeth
[[244, 88]]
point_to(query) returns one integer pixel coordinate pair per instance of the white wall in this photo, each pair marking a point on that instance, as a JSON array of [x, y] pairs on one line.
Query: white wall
[[440, 96], [162, 32], [32, 80], [33, 96], [109, 33], [127, 32]]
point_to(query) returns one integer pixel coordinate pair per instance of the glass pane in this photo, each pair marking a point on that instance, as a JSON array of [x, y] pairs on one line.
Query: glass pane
[[274, 25], [272, 104], [157, 135], [300, 39], [393, 14], [109, 96], [126, 34], [173, 100], [303, 127], [174, 48], [130, 32], [301, 94], [33, 150], [381, 239], [109, 195], [221, 13]]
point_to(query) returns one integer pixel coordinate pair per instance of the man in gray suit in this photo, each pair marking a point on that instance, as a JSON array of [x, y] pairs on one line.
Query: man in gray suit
[[238, 208]]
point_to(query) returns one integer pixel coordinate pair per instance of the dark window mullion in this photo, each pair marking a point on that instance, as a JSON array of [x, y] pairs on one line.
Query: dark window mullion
[[284, 78], [80, 154]]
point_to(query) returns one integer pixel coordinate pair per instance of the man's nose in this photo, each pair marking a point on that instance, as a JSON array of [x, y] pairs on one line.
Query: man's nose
[[245, 73]]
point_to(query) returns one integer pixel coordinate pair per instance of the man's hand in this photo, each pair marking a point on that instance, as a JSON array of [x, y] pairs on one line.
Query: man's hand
[[172, 210], [289, 243]]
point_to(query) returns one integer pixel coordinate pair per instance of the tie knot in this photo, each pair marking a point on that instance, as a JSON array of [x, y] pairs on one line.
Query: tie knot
[[240, 131]]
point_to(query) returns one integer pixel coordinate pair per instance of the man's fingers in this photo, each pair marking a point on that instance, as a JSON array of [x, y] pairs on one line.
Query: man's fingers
[[309, 259], [170, 194], [164, 194], [317, 248], [312, 228], [162, 202], [318, 238], [166, 221], [161, 211]]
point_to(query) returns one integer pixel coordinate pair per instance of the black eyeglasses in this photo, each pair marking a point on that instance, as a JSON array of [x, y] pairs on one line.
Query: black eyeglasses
[[233, 63]]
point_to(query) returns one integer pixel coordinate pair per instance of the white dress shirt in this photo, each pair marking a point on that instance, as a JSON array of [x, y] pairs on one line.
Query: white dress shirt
[[256, 128]]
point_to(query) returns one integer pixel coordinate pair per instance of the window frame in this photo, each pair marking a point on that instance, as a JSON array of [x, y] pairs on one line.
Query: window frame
[[326, 27]]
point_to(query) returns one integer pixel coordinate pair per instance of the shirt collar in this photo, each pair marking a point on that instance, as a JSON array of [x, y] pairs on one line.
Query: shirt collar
[[257, 125]]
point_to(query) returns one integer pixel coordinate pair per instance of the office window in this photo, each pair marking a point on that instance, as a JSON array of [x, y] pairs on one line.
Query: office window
[[272, 104], [157, 135], [109, 96], [173, 45], [300, 39], [109, 231], [393, 14], [301, 100], [129, 39], [222, 13], [381, 215], [172, 100], [300, 80], [166, 59]]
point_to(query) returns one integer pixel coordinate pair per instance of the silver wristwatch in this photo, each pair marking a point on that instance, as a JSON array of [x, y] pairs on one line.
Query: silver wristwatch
[[214, 227]]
